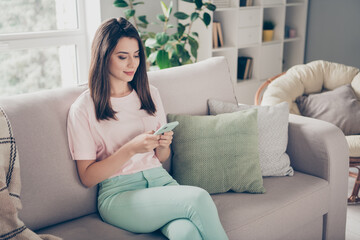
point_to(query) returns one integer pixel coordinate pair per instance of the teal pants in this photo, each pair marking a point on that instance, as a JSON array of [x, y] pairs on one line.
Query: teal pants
[[149, 200]]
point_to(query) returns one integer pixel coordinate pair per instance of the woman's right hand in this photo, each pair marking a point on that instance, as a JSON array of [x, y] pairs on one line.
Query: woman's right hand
[[143, 143]]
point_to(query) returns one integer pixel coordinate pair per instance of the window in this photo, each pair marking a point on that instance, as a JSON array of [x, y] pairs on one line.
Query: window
[[42, 45]]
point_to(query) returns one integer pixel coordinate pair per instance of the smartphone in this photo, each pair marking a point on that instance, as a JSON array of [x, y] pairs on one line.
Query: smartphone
[[166, 128]]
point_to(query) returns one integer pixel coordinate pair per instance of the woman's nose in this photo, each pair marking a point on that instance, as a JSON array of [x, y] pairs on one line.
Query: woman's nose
[[131, 62]]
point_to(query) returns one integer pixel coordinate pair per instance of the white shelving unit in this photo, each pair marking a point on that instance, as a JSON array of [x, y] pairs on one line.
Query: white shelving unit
[[242, 33]]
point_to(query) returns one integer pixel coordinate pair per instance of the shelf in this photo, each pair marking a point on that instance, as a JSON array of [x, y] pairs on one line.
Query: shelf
[[220, 49], [249, 7], [226, 9], [292, 39], [242, 34], [249, 45], [273, 5], [294, 4], [271, 42], [244, 81]]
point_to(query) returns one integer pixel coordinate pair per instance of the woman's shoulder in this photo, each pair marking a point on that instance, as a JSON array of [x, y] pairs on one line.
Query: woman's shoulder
[[154, 91], [84, 102]]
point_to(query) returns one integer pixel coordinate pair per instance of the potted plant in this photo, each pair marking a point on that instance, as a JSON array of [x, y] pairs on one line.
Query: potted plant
[[164, 49], [268, 31]]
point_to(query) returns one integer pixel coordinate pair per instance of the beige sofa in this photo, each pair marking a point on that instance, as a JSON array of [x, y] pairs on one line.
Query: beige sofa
[[309, 205]]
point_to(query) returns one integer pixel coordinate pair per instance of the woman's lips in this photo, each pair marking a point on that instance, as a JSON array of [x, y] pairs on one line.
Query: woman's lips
[[129, 73]]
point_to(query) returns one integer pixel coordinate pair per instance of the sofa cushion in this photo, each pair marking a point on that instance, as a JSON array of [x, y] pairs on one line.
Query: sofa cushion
[[206, 79], [339, 107], [273, 134], [51, 191], [91, 227], [217, 153], [276, 213], [243, 216]]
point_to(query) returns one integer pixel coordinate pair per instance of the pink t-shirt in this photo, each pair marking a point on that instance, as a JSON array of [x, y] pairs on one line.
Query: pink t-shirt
[[90, 139]]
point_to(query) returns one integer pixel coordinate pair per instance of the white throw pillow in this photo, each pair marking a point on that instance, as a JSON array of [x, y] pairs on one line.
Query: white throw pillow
[[273, 134]]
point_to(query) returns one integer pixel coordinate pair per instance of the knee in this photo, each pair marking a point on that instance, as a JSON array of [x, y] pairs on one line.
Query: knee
[[189, 232], [201, 197], [181, 229]]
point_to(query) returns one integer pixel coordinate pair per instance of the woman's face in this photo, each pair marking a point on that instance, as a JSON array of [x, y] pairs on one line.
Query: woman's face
[[124, 60]]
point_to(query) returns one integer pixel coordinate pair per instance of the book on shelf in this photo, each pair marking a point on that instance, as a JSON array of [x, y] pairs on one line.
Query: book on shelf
[[214, 35], [246, 3], [220, 35], [218, 40], [245, 67]]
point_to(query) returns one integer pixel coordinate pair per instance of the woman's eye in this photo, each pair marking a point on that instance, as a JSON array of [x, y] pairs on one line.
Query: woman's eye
[[122, 58], [137, 56]]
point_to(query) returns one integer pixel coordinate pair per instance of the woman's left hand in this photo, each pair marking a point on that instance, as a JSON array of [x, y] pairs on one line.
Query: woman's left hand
[[165, 139]]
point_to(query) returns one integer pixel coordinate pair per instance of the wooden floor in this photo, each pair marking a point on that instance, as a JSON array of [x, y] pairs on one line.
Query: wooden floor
[[353, 217]]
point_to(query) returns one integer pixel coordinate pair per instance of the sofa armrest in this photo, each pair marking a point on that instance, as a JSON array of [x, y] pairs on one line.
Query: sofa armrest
[[320, 149]]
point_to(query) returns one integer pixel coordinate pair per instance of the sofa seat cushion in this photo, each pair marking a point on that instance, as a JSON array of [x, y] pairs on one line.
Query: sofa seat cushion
[[244, 216], [279, 210], [91, 227]]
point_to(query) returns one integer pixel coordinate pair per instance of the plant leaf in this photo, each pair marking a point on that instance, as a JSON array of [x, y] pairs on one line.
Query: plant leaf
[[185, 57], [148, 51], [199, 4], [142, 18], [174, 61], [194, 16], [179, 49], [194, 46], [180, 29], [150, 42], [120, 3], [162, 38], [170, 8], [190, 1], [168, 47], [137, 3], [161, 17], [162, 59], [129, 13], [195, 34], [181, 15], [152, 57], [164, 9], [206, 19], [151, 34], [211, 7]]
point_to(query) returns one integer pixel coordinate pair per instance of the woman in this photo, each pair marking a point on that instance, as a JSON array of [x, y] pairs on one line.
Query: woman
[[110, 129]]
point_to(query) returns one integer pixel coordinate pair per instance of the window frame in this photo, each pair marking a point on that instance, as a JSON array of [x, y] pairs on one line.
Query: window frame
[[55, 38]]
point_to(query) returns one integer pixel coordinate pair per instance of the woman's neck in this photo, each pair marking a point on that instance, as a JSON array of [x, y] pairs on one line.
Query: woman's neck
[[120, 90]]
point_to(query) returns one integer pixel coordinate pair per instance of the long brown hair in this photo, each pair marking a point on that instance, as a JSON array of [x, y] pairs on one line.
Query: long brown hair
[[105, 41]]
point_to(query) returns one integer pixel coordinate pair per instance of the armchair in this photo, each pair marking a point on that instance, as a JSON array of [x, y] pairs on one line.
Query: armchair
[[315, 77]]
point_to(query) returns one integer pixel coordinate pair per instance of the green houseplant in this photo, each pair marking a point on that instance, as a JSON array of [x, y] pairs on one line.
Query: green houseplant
[[268, 31], [165, 49]]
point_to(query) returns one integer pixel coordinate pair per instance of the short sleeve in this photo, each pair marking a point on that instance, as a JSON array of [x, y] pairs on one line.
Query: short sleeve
[[160, 112], [81, 141]]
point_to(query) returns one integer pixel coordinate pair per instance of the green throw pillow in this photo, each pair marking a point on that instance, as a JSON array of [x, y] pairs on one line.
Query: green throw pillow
[[217, 153]]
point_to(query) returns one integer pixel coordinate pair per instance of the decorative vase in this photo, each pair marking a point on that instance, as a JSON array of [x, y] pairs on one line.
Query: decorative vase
[[268, 35]]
